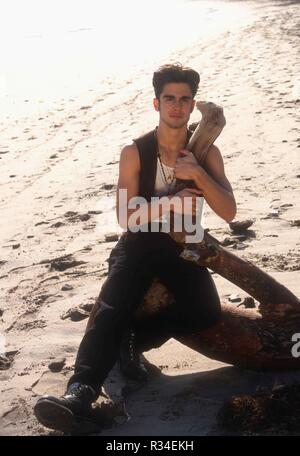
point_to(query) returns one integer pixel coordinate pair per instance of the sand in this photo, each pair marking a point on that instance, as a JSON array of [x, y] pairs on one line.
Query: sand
[[59, 169]]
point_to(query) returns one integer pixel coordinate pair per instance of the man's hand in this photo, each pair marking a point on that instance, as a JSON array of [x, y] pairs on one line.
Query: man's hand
[[186, 165], [189, 202]]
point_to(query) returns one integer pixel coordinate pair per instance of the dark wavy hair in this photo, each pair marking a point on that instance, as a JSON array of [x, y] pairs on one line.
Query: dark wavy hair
[[175, 73]]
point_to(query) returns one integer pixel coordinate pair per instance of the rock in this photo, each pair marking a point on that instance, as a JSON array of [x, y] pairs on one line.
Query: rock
[[107, 186], [227, 241], [84, 217], [234, 298], [7, 359], [4, 363], [239, 226], [1, 312], [111, 237], [66, 287], [87, 306], [75, 314], [53, 156], [57, 364], [16, 246], [61, 264], [295, 222]]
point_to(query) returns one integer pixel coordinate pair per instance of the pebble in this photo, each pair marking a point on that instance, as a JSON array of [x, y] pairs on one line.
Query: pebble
[[75, 314], [295, 222], [242, 225], [57, 364], [84, 217], [87, 306], [107, 186], [67, 287]]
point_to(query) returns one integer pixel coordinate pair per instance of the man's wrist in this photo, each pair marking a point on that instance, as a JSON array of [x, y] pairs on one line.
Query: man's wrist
[[199, 176]]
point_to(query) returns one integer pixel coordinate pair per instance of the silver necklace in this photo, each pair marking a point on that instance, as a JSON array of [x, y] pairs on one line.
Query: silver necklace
[[171, 178]]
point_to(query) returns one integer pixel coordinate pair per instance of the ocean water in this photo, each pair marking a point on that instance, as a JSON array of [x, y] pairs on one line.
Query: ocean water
[[57, 48]]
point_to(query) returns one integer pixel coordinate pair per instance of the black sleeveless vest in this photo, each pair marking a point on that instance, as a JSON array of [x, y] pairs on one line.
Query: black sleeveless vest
[[147, 147]]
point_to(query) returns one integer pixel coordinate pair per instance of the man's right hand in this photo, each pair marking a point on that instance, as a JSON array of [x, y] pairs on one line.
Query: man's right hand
[[188, 198]]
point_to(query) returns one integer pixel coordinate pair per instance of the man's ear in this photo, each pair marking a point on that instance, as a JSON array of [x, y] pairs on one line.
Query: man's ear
[[193, 105], [156, 104]]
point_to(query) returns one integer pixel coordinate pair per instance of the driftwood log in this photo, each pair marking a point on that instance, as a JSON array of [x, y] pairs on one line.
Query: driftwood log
[[259, 338]]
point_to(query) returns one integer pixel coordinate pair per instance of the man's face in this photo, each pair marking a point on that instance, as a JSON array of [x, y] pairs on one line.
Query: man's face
[[175, 104]]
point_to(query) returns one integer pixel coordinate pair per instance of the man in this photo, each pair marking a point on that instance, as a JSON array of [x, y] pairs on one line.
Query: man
[[148, 167]]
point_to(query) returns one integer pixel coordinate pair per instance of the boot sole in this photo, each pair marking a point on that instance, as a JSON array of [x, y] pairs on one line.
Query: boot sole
[[55, 416]]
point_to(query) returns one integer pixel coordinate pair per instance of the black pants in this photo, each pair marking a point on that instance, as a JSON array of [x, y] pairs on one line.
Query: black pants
[[132, 266]]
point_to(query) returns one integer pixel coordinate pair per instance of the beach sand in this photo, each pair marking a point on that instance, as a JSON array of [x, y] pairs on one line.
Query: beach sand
[[59, 168]]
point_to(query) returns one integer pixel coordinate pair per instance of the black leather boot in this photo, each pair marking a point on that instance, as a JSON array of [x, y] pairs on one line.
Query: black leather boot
[[68, 412], [129, 359]]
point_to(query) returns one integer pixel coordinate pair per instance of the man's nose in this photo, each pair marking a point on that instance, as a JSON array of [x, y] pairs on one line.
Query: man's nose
[[177, 103]]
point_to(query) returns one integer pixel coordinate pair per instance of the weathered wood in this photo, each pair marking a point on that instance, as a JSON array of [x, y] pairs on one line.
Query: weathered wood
[[251, 338], [208, 129]]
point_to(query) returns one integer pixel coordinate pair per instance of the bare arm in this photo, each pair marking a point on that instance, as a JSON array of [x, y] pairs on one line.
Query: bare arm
[[215, 186], [212, 181], [128, 189], [129, 171]]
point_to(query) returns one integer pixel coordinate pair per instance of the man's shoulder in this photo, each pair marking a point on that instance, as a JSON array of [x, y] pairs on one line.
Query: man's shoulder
[[145, 137], [129, 152]]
